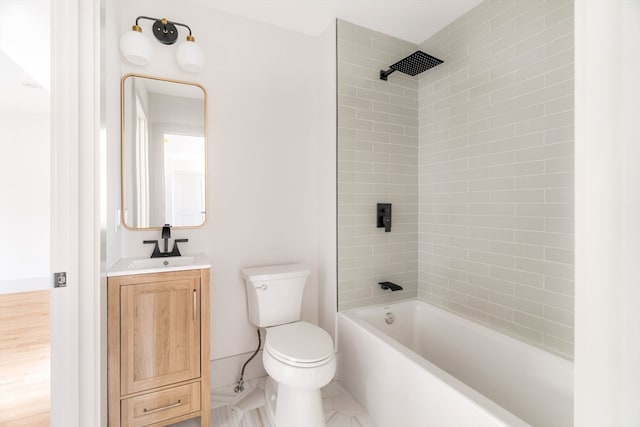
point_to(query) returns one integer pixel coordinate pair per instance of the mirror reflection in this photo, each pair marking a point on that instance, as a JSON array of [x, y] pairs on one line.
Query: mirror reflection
[[163, 152]]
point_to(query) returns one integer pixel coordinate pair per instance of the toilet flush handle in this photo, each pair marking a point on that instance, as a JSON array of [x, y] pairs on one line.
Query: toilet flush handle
[[263, 287]]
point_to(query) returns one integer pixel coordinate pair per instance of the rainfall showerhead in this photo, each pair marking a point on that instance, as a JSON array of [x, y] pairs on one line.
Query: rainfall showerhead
[[412, 65]]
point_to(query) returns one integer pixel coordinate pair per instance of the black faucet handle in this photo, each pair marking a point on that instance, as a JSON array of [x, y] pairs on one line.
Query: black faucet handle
[[176, 251], [383, 213], [156, 248]]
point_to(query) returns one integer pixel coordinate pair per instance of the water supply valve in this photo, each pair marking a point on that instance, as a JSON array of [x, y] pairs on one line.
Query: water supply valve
[[383, 214]]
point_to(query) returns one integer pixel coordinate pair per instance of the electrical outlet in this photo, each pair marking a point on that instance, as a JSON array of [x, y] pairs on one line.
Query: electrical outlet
[[118, 219]]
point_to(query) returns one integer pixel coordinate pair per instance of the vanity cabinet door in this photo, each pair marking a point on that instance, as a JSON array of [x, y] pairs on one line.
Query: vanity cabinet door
[[159, 334]]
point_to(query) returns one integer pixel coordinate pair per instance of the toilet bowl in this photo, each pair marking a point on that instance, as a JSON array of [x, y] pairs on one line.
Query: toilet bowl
[[298, 356]]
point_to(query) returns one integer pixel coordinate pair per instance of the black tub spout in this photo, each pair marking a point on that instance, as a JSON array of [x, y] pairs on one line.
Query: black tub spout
[[389, 285]]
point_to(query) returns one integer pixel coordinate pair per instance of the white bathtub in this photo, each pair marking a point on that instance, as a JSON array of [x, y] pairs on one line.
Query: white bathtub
[[431, 368]]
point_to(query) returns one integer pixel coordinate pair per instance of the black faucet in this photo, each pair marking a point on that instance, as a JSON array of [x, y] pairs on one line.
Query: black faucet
[[389, 285], [166, 235]]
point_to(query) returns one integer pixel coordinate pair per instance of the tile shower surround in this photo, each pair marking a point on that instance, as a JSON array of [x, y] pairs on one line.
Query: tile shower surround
[[377, 163], [494, 170]]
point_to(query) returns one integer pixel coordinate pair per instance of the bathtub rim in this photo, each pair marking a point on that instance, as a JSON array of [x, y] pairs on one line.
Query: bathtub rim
[[476, 326], [476, 398]]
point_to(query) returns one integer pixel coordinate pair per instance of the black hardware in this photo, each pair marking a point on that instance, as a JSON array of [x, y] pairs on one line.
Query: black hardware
[[60, 280], [412, 65], [384, 74], [389, 285], [156, 249], [383, 214], [164, 30], [176, 251], [166, 235]]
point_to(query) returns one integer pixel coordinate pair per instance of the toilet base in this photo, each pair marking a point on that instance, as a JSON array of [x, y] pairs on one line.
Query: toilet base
[[288, 407]]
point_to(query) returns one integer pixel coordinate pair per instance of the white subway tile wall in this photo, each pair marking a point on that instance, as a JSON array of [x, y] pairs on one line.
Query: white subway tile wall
[[476, 156], [377, 163], [496, 198]]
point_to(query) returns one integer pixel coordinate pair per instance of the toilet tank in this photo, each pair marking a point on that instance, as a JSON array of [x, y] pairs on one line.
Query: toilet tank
[[274, 293]]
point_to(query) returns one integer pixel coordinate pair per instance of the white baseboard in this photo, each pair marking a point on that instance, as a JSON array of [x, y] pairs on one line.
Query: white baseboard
[[26, 285]]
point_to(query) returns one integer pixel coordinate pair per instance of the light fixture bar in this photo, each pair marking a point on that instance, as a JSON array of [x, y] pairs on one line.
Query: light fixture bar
[[165, 30]]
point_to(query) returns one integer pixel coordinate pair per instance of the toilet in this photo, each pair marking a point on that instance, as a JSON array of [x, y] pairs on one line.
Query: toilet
[[297, 355]]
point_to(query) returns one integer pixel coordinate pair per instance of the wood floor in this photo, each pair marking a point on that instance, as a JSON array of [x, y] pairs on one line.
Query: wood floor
[[25, 346]]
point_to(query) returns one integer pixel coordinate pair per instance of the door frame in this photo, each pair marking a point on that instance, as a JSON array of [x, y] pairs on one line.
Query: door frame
[[76, 379]]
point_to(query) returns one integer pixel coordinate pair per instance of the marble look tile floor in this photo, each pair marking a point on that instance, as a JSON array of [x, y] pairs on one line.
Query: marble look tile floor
[[247, 408]]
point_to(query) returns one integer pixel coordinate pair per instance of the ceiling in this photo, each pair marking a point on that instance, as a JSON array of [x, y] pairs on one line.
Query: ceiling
[[411, 20]]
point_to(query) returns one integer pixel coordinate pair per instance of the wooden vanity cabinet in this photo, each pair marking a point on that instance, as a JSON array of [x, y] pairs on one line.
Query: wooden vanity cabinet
[[158, 350]]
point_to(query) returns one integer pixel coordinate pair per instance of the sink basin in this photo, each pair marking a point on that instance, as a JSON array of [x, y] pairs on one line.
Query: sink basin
[[129, 266], [167, 262]]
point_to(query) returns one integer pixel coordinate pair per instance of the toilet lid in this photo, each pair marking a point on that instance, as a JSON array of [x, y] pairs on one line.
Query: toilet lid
[[299, 344]]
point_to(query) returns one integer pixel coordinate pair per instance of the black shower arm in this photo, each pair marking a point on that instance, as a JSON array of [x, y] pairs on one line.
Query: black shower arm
[[384, 74]]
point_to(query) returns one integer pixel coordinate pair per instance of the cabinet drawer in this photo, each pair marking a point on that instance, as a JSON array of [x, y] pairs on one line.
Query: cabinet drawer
[[161, 405]]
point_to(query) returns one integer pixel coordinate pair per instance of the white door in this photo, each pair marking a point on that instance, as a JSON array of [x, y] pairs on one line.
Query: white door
[[188, 202], [184, 175]]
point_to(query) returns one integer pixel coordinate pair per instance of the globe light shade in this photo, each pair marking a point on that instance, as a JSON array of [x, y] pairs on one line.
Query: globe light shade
[[136, 47], [190, 56]]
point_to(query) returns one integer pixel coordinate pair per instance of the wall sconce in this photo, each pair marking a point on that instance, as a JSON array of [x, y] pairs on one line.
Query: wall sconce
[[138, 49]]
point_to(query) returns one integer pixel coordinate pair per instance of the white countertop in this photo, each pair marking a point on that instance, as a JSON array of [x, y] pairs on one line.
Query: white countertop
[[127, 266]]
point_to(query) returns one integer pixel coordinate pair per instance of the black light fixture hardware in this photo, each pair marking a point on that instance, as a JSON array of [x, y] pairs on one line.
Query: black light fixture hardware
[[165, 30]]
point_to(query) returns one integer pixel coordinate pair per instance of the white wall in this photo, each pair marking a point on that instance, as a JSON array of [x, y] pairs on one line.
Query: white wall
[[110, 128], [25, 198], [268, 200], [607, 359], [326, 155]]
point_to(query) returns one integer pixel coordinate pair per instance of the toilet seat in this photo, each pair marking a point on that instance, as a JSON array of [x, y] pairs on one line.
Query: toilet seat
[[299, 344]]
